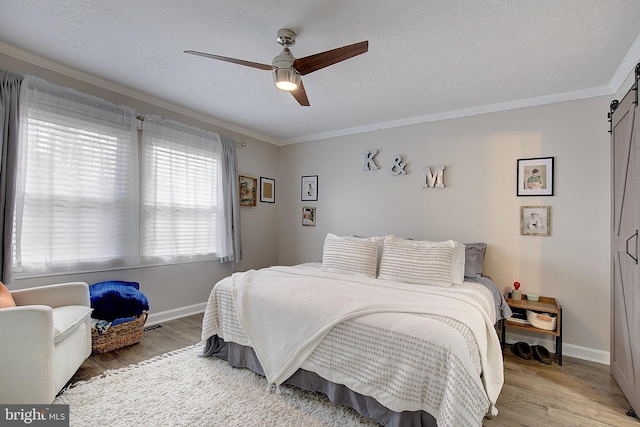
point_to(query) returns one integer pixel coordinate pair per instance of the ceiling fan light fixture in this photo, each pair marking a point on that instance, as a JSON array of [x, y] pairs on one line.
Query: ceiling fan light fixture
[[286, 78], [287, 71]]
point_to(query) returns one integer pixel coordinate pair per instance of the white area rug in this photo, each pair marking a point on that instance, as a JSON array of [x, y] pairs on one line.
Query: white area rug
[[182, 389]]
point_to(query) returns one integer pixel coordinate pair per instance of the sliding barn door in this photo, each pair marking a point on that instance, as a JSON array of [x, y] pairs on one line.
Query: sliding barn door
[[625, 273]]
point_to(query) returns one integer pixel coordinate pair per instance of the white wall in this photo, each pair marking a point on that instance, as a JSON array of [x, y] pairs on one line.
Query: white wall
[[175, 290], [479, 202]]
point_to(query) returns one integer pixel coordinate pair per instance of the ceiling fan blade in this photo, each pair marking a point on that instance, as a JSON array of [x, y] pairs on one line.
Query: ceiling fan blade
[[232, 60], [312, 63], [301, 95]]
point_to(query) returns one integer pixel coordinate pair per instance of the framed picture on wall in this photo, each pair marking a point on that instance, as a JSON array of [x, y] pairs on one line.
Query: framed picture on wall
[[247, 188], [535, 177], [309, 216], [535, 220], [267, 190], [309, 188]]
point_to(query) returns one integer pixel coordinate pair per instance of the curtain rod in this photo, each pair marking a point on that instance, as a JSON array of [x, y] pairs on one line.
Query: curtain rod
[[141, 118]]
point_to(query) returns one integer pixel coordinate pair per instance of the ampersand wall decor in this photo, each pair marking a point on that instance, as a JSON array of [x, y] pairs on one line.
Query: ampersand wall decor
[[397, 168]]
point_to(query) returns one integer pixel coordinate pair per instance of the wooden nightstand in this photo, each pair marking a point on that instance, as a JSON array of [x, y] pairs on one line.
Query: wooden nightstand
[[545, 305]]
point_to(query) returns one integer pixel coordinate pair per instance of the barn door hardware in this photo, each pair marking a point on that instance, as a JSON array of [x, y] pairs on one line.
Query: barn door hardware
[[635, 258]]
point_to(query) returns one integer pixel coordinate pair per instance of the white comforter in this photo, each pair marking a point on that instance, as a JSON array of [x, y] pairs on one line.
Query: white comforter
[[286, 313]]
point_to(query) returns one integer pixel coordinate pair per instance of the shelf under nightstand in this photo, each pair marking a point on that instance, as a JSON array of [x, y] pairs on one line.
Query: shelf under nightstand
[[544, 305]]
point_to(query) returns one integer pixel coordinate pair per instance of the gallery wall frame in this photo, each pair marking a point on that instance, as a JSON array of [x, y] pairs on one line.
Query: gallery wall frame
[[309, 216], [267, 190], [309, 188], [247, 188], [535, 176], [535, 220]]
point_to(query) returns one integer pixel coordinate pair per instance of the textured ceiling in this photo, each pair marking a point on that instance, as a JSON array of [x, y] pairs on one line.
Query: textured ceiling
[[427, 59]]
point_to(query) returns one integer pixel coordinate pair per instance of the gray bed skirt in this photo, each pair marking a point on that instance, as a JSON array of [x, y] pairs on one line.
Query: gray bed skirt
[[240, 356]]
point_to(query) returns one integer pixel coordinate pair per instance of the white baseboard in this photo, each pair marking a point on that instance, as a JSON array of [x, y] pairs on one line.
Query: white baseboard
[[585, 353], [177, 313], [570, 350]]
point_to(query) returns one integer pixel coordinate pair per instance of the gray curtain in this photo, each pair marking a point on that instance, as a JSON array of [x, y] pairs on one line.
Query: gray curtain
[[9, 121], [232, 197]]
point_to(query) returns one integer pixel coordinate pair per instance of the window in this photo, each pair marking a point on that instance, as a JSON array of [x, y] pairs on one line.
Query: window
[[76, 205], [182, 209], [91, 196]]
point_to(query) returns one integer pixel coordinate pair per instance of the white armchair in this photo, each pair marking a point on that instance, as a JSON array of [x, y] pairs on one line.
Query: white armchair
[[43, 341]]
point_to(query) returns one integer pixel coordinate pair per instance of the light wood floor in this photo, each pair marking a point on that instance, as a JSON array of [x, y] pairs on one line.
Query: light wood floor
[[171, 335], [578, 393]]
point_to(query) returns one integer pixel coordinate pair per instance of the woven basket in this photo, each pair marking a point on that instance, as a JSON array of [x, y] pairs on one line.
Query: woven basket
[[118, 336]]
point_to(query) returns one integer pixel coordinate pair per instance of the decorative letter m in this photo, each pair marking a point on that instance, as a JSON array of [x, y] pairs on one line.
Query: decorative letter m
[[430, 180]]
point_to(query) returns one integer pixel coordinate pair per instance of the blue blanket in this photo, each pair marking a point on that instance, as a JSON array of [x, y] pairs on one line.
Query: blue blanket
[[116, 299]]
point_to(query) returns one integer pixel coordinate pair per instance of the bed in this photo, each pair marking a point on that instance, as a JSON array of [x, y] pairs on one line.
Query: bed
[[402, 331]]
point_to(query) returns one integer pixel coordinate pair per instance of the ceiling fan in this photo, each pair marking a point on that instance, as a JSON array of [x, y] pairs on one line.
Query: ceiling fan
[[287, 70]]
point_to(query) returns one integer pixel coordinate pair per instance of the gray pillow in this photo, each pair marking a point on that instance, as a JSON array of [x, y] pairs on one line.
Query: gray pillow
[[473, 258]]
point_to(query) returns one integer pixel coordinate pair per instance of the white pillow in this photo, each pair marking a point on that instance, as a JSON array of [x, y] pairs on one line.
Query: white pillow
[[422, 262], [350, 255], [457, 266], [380, 240]]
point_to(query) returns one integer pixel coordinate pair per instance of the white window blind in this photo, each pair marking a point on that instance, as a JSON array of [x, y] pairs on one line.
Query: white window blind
[[182, 210], [77, 182]]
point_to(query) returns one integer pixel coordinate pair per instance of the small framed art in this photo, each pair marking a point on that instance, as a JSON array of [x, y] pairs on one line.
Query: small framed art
[[267, 190], [309, 216], [309, 188], [535, 220], [535, 177], [247, 188]]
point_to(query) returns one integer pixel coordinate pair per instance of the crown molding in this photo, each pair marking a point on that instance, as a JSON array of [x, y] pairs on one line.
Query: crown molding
[[126, 91]]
